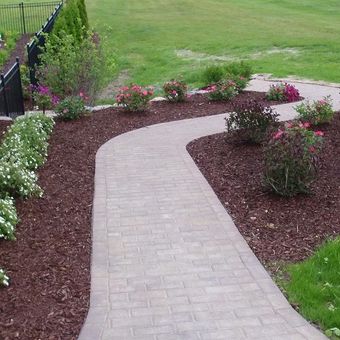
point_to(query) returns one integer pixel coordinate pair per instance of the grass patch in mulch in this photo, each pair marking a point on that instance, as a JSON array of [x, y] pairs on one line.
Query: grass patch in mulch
[[49, 263]]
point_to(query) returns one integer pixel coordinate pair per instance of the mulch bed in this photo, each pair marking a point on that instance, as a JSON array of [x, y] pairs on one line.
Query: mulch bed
[[49, 263], [277, 229]]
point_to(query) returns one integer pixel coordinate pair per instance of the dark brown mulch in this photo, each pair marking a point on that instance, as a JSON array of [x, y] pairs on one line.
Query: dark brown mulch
[[3, 127], [19, 51], [277, 229], [49, 263]]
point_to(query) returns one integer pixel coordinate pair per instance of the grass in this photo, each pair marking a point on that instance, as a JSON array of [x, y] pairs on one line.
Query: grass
[[314, 286], [159, 40], [10, 41]]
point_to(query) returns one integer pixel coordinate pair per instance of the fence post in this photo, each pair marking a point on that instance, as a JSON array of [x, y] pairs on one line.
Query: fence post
[[5, 96], [20, 87], [23, 17]]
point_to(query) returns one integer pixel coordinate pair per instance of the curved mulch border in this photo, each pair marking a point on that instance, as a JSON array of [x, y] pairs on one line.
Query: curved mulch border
[[276, 228], [49, 264]]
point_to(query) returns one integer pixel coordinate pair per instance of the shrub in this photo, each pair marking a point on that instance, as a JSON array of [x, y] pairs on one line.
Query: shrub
[[134, 97], [43, 97], [69, 67], [4, 279], [283, 92], [291, 159], [25, 81], [71, 108], [316, 112], [250, 121], [240, 82], [26, 141], [175, 91], [239, 69], [8, 218], [213, 74], [16, 180], [223, 90]]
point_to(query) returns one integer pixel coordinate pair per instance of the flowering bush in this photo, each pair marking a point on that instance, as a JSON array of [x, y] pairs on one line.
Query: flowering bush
[[8, 218], [317, 112], [71, 108], [43, 97], [26, 141], [223, 90], [283, 92], [175, 91], [250, 121], [4, 279], [240, 81], [291, 159], [15, 179], [134, 97]]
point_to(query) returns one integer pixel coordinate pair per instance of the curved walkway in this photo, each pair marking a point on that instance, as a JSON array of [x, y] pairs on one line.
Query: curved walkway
[[168, 262]]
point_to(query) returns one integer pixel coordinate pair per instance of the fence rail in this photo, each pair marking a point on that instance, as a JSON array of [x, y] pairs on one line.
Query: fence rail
[[11, 97], [35, 46], [25, 17]]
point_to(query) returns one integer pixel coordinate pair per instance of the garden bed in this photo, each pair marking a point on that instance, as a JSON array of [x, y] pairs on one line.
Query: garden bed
[[276, 228], [49, 264]]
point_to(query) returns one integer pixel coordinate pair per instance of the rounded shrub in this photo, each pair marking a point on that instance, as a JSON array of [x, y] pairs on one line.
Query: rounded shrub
[[175, 90]]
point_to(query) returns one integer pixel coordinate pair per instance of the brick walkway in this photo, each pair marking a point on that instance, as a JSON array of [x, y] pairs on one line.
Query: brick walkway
[[168, 262]]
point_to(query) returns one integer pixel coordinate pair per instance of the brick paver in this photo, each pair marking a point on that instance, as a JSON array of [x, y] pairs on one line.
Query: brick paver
[[168, 262]]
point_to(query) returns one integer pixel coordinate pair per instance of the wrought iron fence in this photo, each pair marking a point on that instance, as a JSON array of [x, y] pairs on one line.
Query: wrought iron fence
[[35, 46], [25, 17], [11, 96]]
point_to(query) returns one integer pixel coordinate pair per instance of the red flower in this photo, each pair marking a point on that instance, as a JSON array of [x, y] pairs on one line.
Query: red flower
[[318, 133]]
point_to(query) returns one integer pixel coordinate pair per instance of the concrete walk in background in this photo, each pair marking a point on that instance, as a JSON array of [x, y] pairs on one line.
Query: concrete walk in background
[[168, 262]]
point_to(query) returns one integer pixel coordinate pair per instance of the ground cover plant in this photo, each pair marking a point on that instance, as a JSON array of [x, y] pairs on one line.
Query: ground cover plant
[[313, 287], [157, 41], [49, 263]]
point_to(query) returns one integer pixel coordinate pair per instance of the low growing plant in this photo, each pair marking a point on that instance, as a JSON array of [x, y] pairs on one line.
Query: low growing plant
[[71, 108], [250, 122], [291, 159], [224, 90], [8, 218], [213, 74], [134, 97], [4, 279], [316, 112], [283, 92], [175, 90]]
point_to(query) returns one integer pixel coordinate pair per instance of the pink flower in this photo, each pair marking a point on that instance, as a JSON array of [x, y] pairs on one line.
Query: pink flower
[[145, 93], [278, 134], [173, 92], [319, 133], [289, 125], [306, 125], [312, 149], [81, 94]]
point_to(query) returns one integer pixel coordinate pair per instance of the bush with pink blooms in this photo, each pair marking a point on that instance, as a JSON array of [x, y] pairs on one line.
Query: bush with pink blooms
[[175, 90], [291, 158], [134, 97], [316, 112], [43, 97], [283, 92], [224, 90]]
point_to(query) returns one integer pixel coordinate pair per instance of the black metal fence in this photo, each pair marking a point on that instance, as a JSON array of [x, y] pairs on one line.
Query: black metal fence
[[35, 46], [11, 97], [25, 17]]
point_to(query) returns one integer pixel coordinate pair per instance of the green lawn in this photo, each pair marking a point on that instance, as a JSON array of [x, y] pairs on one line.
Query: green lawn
[[314, 286], [158, 40]]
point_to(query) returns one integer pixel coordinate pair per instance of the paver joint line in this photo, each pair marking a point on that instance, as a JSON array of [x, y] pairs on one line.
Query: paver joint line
[[167, 260]]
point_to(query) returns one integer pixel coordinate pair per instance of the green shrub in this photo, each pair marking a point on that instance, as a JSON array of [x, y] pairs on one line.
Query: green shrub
[[224, 90], [175, 90], [240, 81], [69, 67], [8, 218], [71, 108], [250, 122], [239, 69], [25, 81], [291, 159], [134, 97], [316, 112], [213, 74], [4, 279]]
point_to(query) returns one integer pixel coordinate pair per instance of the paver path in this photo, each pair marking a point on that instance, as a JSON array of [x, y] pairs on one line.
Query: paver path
[[168, 262]]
